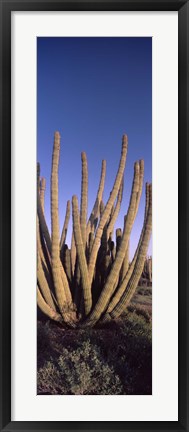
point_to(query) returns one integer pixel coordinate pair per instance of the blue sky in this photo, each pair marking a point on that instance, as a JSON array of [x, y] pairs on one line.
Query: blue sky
[[92, 90]]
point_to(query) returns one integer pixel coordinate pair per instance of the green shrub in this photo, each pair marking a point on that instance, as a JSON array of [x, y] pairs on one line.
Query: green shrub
[[82, 371], [48, 379], [115, 358]]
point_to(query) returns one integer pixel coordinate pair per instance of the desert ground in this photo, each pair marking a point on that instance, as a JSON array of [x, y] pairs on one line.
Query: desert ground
[[114, 358]]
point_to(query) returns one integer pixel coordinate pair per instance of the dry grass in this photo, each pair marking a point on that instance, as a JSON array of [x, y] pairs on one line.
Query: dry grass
[[142, 302]]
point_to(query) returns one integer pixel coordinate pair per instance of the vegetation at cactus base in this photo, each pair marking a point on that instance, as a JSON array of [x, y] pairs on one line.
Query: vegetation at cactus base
[[113, 359]]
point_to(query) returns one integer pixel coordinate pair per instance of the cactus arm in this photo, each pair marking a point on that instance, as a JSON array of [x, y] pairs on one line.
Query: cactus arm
[[110, 284], [77, 285], [95, 211], [43, 275], [46, 309], [132, 264], [83, 221], [141, 179], [124, 282], [43, 283], [44, 249], [108, 208], [81, 257], [112, 212], [112, 251], [40, 248], [43, 224], [73, 255], [102, 207], [118, 238], [42, 192], [115, 211], [125, 265], [44, 270], [106, 266], [91, 240], [40, 212], [84, 198], [139, 265], [65, 227], [67, 262], [58, 273]]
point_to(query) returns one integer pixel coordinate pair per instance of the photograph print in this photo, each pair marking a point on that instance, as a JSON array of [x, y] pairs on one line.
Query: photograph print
[[94, 216]]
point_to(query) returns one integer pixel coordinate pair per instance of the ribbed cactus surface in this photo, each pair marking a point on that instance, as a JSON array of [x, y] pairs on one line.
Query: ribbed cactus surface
[[93, 279]]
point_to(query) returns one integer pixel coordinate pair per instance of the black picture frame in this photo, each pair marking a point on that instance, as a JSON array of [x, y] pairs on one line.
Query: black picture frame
[[6, 7]]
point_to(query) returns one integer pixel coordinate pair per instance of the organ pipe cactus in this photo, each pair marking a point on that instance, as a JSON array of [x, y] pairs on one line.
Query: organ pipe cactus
[[92, 280]]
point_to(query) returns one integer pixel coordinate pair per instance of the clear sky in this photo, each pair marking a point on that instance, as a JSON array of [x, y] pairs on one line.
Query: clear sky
[[92, 90]]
